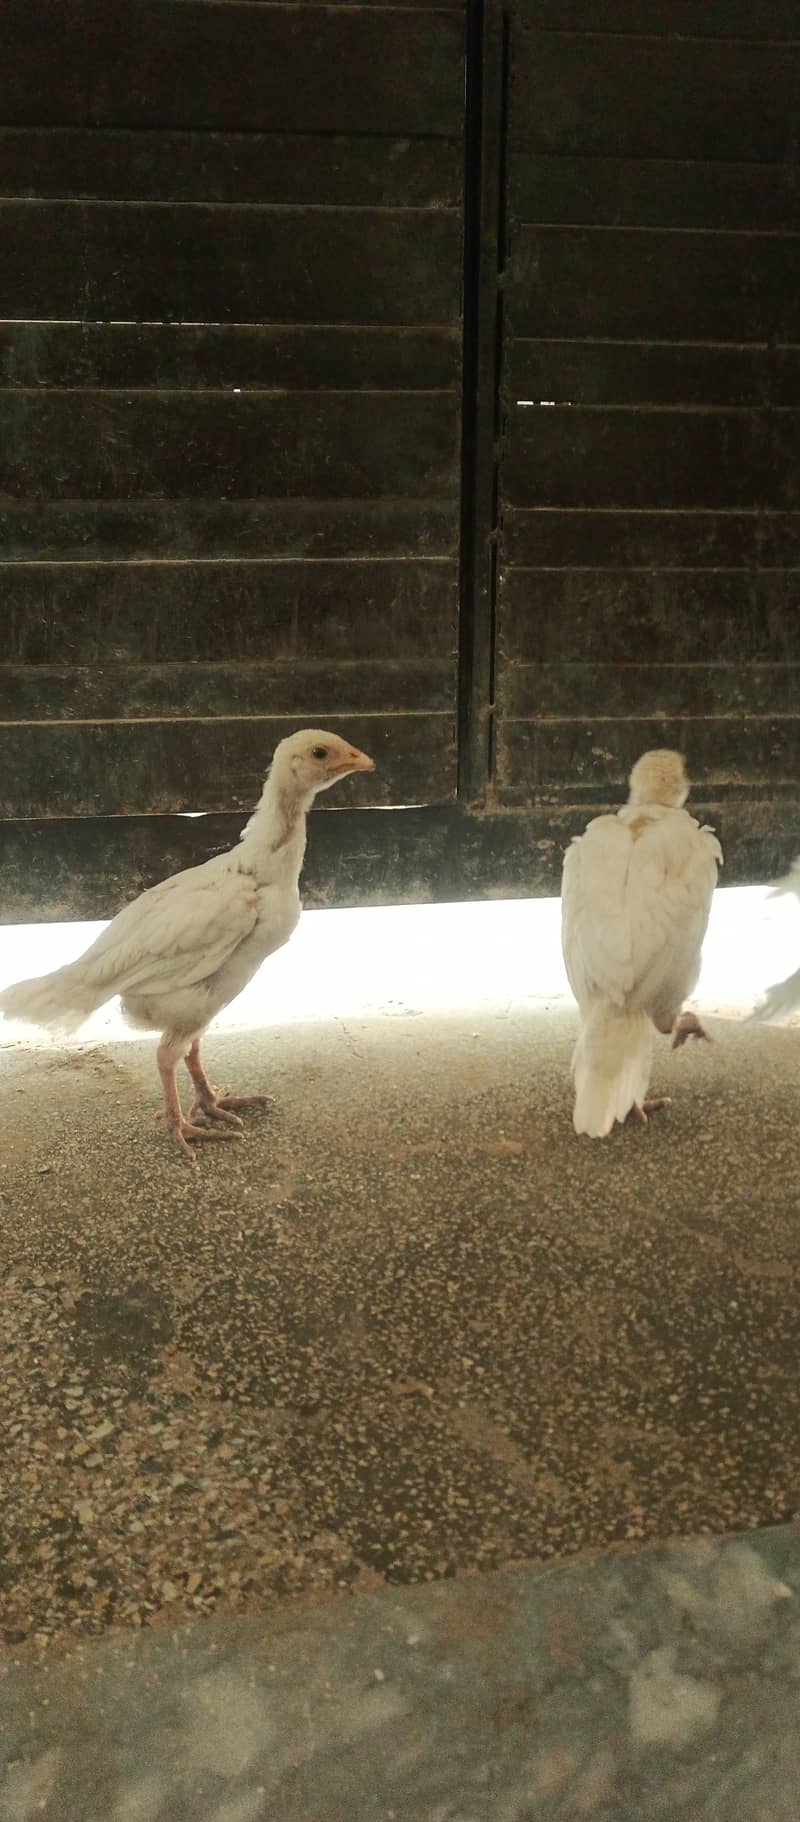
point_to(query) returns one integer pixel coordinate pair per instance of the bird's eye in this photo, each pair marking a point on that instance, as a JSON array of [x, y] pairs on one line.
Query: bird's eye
[[319, 752]]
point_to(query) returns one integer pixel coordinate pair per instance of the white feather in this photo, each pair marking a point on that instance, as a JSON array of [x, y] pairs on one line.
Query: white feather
[[782, 997], [188, 946], [779, 1000], [636, 895], [789, 883], [611, 1065], [168, 944]]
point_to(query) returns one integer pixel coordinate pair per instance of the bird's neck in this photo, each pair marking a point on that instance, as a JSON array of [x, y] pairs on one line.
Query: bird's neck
[[275, 836], [644, 806]]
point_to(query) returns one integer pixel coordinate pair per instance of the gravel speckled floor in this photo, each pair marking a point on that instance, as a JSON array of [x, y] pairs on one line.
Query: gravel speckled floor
[[411, 1328]]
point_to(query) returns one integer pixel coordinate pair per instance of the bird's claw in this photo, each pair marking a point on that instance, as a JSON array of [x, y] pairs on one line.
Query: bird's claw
[[652, 1105], [687, 1026], [216, 1113], [187, 1130], [218, 1106], [245, 1101]]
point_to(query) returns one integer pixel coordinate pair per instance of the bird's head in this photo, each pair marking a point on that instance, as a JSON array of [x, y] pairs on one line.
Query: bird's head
[[660, 777], [312, 760]]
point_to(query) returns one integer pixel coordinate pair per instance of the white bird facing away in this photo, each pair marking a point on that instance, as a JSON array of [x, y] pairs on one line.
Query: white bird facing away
[[784, 996], [635, 898], [183, 950]]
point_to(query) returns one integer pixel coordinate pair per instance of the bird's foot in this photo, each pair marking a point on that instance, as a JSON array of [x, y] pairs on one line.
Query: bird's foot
[[235, 1101], [222, 1109], [216, 1115], [687, 1025], [651, 1105], [183, 1131]]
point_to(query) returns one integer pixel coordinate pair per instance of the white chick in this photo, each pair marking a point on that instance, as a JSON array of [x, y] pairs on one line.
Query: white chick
[[187, 947], [784, 996], [635, 898]]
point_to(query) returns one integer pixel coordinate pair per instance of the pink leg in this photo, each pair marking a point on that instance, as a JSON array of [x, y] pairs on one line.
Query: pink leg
[[680, 1027], [651, 1105], [687, 1026], [221, 1108], [168, 1056]]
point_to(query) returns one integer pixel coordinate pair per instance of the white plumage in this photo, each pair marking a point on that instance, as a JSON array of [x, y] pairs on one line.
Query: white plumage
[[783, 997], [183, 950], [635, 899]]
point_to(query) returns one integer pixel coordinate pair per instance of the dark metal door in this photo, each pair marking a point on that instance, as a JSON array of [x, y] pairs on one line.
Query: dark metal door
[[230, 360], [431, 373], [648, 475]]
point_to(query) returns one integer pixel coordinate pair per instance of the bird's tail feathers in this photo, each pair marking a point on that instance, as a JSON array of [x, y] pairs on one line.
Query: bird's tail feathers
[[60, 1001], [611, 1065]]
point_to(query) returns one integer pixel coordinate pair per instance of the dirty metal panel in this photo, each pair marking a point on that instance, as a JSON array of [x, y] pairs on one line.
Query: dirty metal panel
[[246, 356], [85, 868], [145, 692], [108, 164], [628, 691], [243, 67], [102, 530], [744, 19], [559, 538], [678, 96], [649, 517], [654, 286], [87, 768], [589, 756], [280, 612], [187, 445], [230, 399], [636, 373], [217, 264], [646, 193], [643, 457], [639, 618]]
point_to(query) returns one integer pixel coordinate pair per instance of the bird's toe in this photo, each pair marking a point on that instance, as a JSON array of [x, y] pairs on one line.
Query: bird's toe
[[188, 1134], [215, 1112], [233, 1101]]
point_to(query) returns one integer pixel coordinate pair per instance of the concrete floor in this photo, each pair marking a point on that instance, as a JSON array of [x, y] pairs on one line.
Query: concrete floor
[[654, 1685], [411, 1328]]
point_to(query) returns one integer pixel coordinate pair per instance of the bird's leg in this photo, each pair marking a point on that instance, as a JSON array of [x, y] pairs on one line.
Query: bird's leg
[[680, 1026], [181, 1129], [219, 1107], [206, 1100], [687, 1025], [651, 1105]]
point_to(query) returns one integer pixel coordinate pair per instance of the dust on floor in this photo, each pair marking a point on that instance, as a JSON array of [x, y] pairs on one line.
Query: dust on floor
[[411, 1328]]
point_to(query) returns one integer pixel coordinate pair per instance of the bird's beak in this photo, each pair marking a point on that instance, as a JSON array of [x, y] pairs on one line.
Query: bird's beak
[[357, 762]]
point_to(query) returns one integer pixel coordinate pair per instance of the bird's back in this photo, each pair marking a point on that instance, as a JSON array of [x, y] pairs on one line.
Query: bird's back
[[636, 893]]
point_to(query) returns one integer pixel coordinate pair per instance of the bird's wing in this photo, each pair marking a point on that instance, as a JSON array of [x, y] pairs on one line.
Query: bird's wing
[[595, 930], [178, 933], [671, 883], [635, 904]]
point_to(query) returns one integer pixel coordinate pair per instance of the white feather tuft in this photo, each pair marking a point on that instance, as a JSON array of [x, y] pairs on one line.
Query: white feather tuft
[[779, 1000], [60, 1001], [789, 883], [611, 1064]]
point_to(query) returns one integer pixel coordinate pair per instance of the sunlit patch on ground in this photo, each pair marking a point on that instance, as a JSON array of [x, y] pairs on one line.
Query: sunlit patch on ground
[[436, 958]]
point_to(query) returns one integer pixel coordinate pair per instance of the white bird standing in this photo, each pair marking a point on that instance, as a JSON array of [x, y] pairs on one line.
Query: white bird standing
[[635, 899], [782, 997], [187, 947]]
